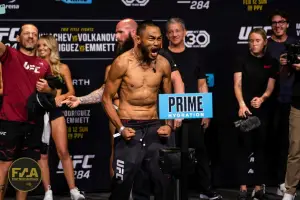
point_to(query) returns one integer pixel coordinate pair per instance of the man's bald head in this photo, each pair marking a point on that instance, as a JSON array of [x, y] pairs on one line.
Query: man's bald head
[[128, 24], [124, 28], [125, 34]]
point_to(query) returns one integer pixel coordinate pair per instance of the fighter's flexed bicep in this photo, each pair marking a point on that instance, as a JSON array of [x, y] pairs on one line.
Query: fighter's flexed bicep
[[166, 79], [113, 82], [115, 75]]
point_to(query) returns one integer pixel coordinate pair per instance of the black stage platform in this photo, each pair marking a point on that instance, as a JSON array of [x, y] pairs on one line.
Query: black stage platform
[[228, 194]]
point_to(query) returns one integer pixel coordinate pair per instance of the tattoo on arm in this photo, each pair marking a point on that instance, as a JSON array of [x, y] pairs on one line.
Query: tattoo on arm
[[92, 98]]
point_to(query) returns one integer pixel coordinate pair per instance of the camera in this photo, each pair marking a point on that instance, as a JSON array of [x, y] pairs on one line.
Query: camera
[[248, 124], [170, 161], [293, 52]]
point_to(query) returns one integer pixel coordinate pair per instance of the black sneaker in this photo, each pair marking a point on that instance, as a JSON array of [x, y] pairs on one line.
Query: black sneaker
[[259, 195], [242, 195], [210, 194]]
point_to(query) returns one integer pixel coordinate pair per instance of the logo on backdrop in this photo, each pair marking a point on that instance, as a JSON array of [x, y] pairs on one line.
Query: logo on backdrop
[[82, 166], [10, 5], [197, 39], [187, 106], [25, 174], [9, 36], [135, 2], [76, 1], [255, 5], [196, 5], [298, 29], [245, 31]]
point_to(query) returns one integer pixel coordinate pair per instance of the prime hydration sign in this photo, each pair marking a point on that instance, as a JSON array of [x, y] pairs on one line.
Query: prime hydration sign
[[187, 106]]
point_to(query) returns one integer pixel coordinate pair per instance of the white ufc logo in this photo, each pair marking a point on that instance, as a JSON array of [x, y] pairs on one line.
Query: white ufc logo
[[197, 39], [79, 161], [11, 33], [120, 169], [245, 31], [33, 68], [135, 2]]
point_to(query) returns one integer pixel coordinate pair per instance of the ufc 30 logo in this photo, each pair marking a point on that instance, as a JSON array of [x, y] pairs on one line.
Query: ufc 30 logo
[[120, 169], [9, 33], [135, 2], [245, 31], [197, 39]]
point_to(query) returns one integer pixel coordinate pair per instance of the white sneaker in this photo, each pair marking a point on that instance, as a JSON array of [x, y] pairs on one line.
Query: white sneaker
[[281, 190], [48, 195], [75, 194], [288, 196]]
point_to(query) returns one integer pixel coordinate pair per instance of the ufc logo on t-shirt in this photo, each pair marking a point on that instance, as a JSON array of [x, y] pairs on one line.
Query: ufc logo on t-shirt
[[33, 68]]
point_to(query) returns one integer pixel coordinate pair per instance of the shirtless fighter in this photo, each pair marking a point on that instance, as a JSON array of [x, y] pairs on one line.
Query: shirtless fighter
[[125, 34], [138, 74]]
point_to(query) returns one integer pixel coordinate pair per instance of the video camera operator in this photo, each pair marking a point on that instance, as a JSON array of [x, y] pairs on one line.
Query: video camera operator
[[293, 160], [277, 46]]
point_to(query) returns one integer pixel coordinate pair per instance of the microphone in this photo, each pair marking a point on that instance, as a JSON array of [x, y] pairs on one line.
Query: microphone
[[247, 125]]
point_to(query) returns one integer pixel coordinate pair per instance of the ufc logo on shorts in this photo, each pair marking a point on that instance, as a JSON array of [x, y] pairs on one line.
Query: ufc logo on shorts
[[197, 39], [120, 169], [79, 161], [245, 31], [135, 2], [10, 33]]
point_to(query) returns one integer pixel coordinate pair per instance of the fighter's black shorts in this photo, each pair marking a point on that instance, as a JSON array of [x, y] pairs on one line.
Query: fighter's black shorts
[[19, 139]]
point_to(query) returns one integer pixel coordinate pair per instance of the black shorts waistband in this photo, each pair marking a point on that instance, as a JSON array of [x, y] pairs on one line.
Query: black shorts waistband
[[132, 122]]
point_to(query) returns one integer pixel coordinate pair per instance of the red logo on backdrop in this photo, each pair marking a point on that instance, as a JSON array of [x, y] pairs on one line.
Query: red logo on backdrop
[[267, 66]]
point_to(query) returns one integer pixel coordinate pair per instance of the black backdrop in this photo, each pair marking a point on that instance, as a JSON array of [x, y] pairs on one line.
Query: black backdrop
[[218, 30]]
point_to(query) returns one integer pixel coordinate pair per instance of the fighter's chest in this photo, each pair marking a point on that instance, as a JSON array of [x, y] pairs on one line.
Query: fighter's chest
[[139, 77]]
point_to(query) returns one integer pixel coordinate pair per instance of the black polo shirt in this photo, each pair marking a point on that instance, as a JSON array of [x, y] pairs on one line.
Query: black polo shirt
[[284, 84], [190, 67], [255, 74]]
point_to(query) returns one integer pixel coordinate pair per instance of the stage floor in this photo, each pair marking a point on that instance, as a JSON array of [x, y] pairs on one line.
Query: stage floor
[[228, 194]]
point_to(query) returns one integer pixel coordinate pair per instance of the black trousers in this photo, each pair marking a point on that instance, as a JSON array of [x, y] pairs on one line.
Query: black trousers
[[139, 153], [281, 131], [252, 146], [197, 141]]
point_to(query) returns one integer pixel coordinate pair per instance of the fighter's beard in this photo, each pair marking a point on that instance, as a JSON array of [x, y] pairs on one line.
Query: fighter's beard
[[145, 54]]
